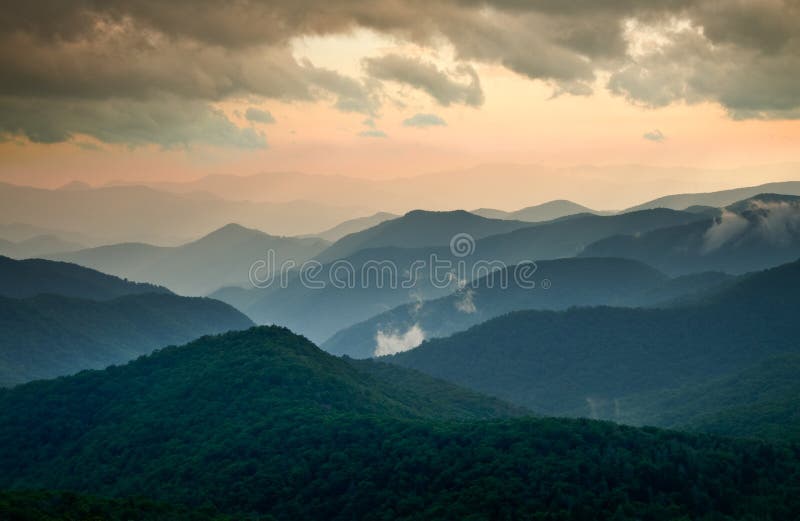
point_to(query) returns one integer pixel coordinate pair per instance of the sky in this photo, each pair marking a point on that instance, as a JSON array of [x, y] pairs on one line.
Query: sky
[[151, 91]]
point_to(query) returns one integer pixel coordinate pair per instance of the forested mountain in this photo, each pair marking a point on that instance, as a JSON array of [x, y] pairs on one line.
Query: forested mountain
[[43, 505], [52, 335], [557, 284], [321, 312], [418, 229], [579, 361], [28, 278], [221, 258], [753, 234], [760, 401], [263, 423], [542, 212]]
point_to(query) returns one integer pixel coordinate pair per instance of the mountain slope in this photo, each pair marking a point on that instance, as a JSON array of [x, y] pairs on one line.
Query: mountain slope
[[568, 237], [418, 229], [753, 234], [760, 401], [580, 361], [221, 258], [51, 335], [542, 212], [719, 199], [261, 422], [354, 226], [569, 282], [28, 278]]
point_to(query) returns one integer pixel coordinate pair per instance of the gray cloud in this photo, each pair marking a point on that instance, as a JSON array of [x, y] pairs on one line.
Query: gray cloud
[[424, 120], [654, 135], [373, 133], [442, 86], [259, 116], [168, 122]]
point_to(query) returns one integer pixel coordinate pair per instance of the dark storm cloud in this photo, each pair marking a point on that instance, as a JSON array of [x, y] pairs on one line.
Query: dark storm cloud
[[64, 54]]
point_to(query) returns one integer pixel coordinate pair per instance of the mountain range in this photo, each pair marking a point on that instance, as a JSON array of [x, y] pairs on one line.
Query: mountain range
[[557, 284], [585, 361], [503, 186], [385, 257], [59, 319], [141, 214]]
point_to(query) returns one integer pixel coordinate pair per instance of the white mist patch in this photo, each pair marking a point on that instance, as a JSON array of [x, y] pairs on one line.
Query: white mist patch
[[779, 222], [391, 342], [466, 302], [728, 226]]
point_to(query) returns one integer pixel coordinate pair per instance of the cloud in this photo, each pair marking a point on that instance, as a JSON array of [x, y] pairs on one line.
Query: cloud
[[654, 135], [466, 302], [392, 342], [66, 56], [259, 116], [373, 133], [168, 122], [461, 86], [725, 228], [424, 120]]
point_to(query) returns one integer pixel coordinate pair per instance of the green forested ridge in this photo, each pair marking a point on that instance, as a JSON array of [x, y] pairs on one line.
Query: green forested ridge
[[28, 278], [42, 505], [262, 422], [52, 335], [581, 360], [761, 401]]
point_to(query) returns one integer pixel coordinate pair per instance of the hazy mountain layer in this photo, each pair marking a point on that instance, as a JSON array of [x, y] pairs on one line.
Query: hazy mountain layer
[[720, 198], [319, 312], [51, 335], [418, 229], [354, 226], [139, 214], [558, 284], [541, 212], [221, 258], [28, 278], [753, 234]]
